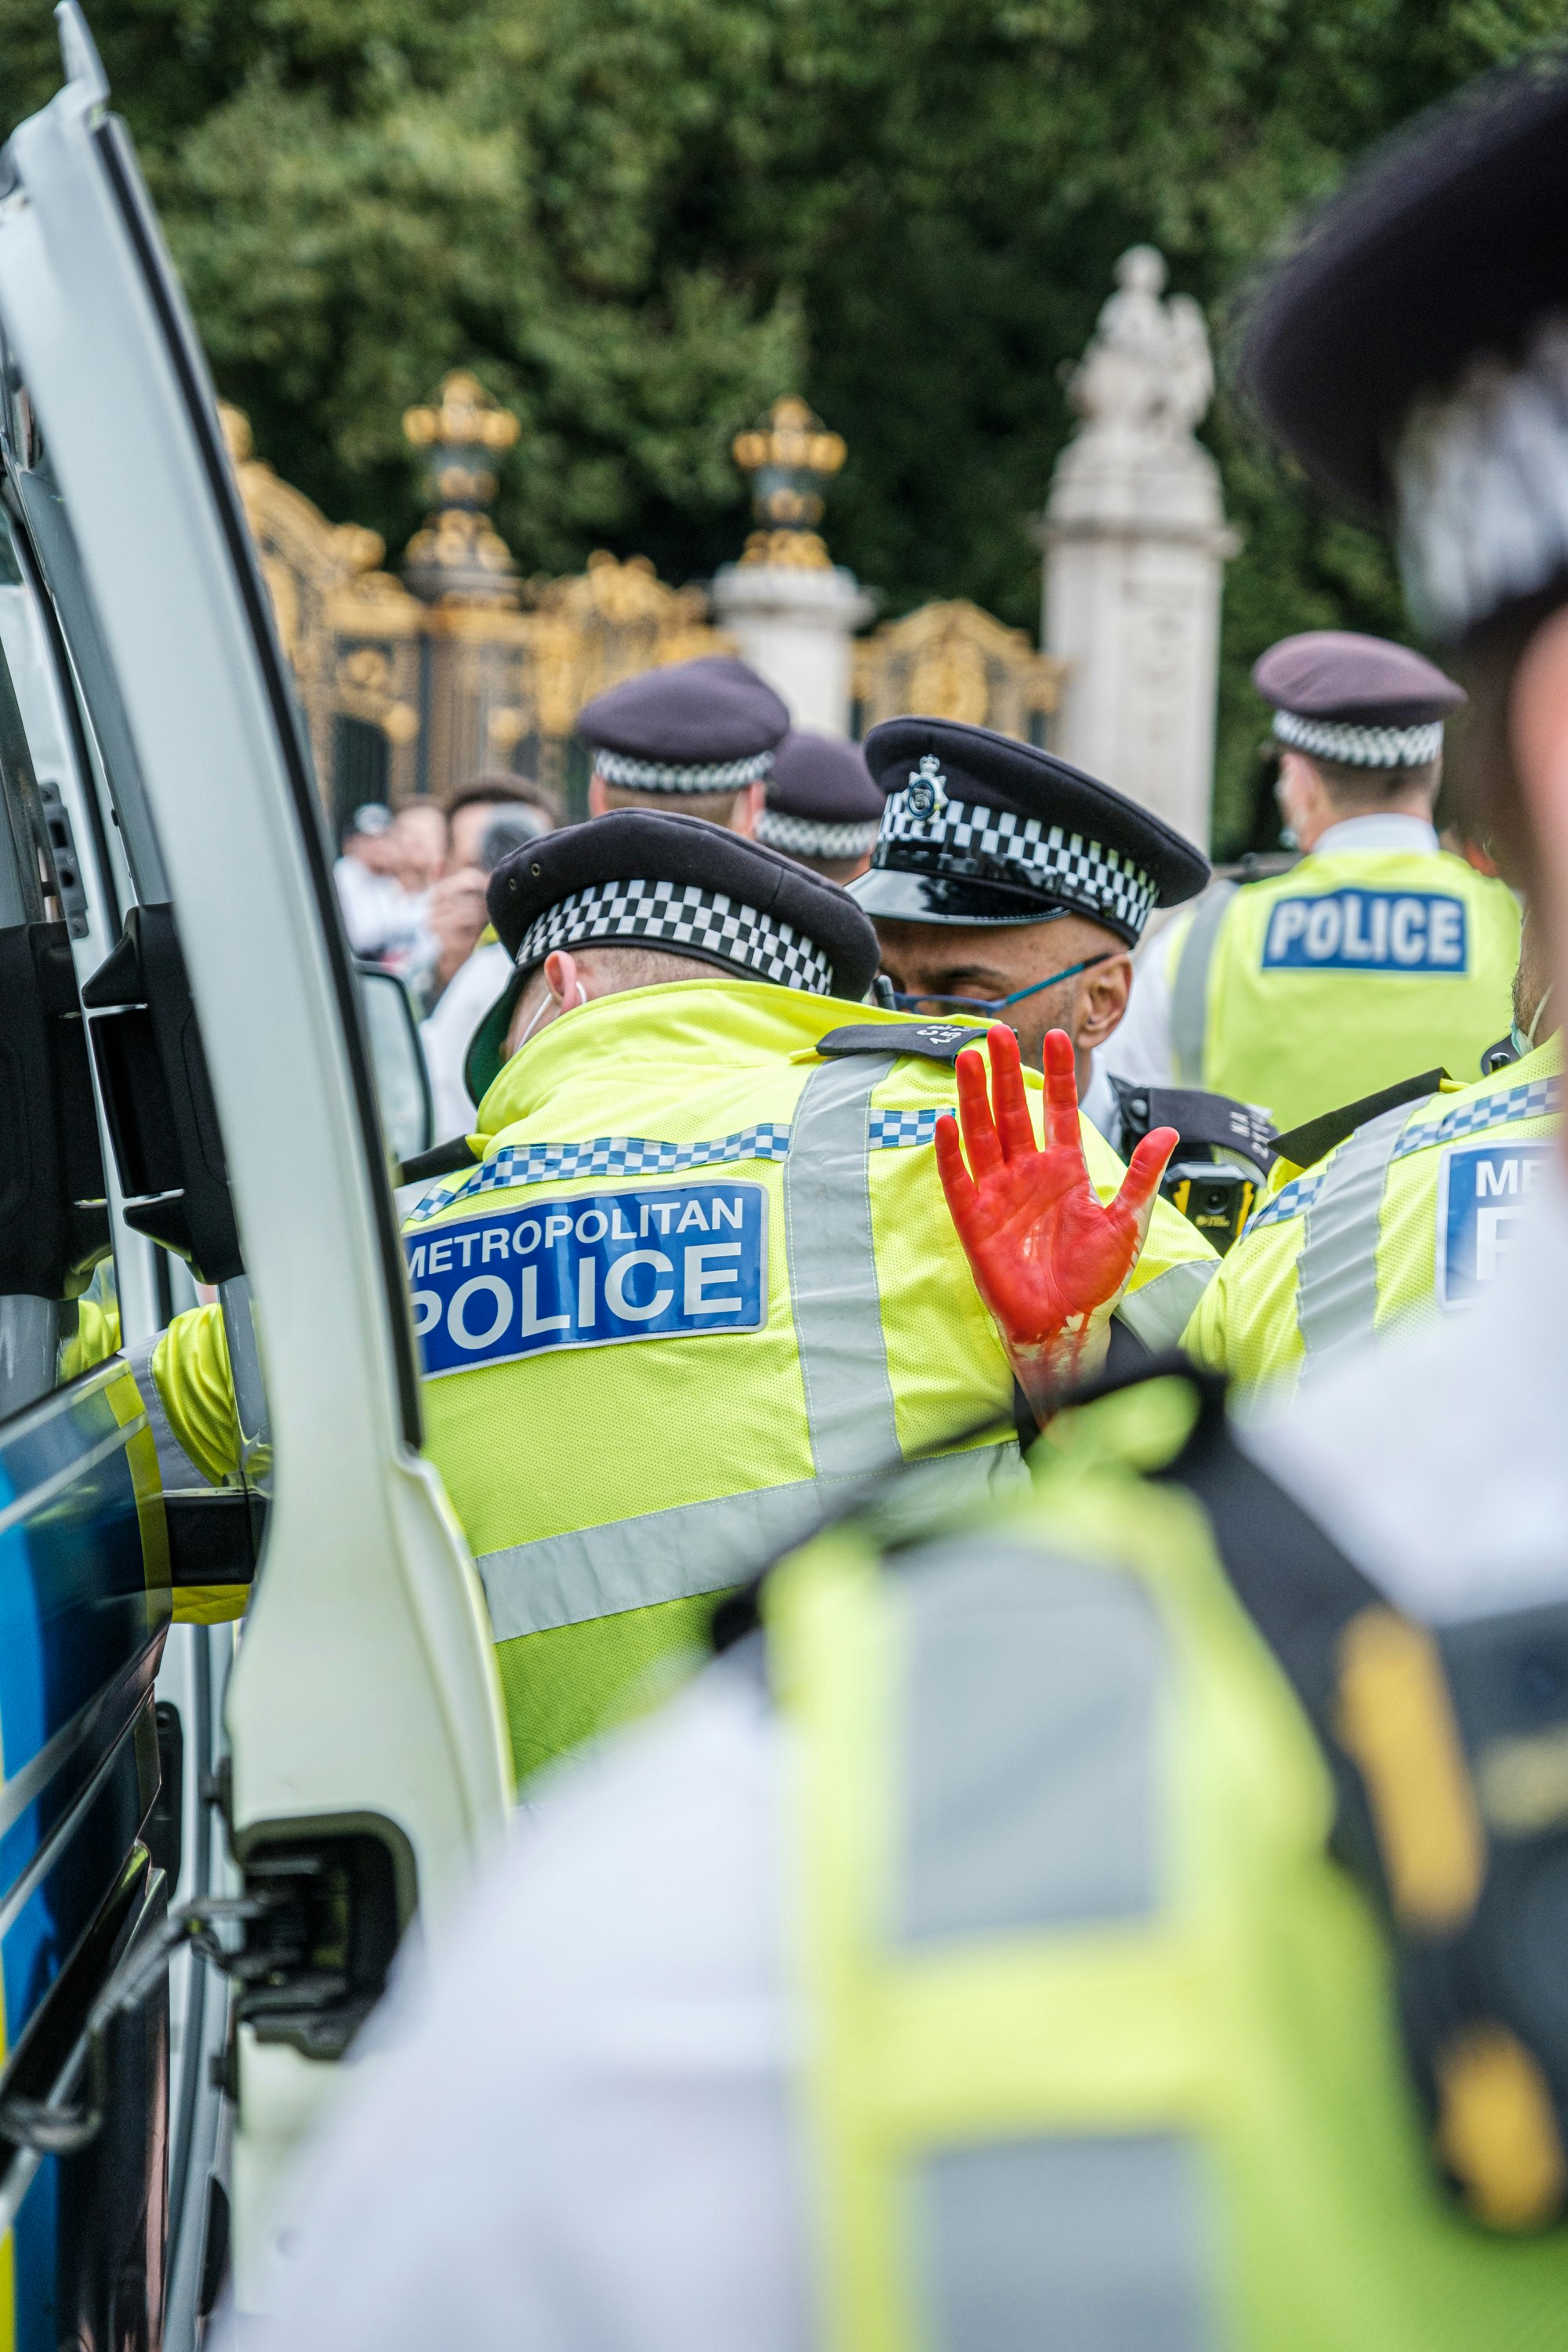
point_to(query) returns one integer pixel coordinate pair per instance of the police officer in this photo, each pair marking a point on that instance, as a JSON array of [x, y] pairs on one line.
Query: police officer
[[969, 1963], [1007, 885], [698, 735], [694, 1137], [1389, 1211], [823, 808], [1378, 954]]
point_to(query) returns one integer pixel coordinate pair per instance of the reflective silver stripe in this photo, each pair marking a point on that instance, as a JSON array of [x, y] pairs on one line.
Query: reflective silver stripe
[[833, 1293], [1030, 1759], [1336, 1272], [175, 1467], [1029, 1743], [1190, 988], [698, 1547], [1158, 1311], [1093, 2243]]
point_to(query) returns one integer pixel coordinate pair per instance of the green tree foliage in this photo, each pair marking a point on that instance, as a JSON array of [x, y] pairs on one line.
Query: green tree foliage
[[640, 219]]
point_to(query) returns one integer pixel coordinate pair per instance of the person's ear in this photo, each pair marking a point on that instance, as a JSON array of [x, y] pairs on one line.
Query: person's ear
[[1103, 1002], [564, 982], [598, 805], [747, 812]]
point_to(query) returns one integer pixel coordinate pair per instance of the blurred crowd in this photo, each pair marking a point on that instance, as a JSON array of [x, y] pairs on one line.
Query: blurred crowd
[[411, 885]]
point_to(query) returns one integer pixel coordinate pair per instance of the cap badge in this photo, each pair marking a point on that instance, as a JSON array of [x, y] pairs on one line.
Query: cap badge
[[926, 795]]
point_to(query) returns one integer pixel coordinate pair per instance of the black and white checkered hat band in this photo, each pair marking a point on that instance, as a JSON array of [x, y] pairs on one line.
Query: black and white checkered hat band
[[654, 776], [803, 837], [999, 845], [679, 916], [1360, 747]]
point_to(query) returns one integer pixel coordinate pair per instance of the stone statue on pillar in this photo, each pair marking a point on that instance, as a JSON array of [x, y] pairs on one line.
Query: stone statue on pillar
[[791, 609], [1136, 542]]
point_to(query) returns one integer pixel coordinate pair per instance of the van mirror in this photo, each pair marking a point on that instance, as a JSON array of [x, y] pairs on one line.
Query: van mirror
[[397, 1057]]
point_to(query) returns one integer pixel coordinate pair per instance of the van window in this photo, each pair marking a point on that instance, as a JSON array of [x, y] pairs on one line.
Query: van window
[[58, 1304]]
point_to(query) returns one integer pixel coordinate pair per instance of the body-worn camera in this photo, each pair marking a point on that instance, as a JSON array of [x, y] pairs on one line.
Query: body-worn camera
[[1221, 1164]]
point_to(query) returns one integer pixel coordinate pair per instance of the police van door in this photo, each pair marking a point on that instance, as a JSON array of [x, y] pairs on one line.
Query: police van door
[[368, 1759], [84, 1607]]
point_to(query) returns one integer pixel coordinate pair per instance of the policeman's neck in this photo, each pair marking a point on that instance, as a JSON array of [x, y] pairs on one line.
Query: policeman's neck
[[1312, 826]]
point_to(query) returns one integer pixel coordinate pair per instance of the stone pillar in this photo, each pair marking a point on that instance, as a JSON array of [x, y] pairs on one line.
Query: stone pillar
[[796, 628], [791, 609], [1136, 543]]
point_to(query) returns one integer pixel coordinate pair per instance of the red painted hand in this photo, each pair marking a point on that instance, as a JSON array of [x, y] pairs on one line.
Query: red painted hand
[[1048, 1259]]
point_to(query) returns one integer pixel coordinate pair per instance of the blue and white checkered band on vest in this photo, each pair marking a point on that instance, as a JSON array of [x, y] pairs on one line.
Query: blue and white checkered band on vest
[[683, 918], [971, 841]]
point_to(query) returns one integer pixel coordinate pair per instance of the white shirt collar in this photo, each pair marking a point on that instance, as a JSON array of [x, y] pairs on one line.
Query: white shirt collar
[[1411, 834]]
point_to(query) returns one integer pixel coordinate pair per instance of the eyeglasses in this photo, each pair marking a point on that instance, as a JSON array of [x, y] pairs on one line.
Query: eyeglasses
[[940, 1004]]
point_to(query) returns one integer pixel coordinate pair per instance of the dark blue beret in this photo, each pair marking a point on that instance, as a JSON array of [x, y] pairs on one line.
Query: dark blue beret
[[643, 878], [979, 829], [708, 726]]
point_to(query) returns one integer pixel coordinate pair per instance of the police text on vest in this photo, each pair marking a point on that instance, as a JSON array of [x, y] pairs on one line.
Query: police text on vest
[[1414, 933], [1482, 1193], [590, 1270]]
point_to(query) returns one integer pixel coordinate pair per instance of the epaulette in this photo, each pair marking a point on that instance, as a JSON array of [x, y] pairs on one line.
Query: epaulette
[[1305, 1145], [443, 1159], [932, 1041]]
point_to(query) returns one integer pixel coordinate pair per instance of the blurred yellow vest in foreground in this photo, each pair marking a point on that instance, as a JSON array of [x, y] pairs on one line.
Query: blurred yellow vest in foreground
[[1100, 2043]]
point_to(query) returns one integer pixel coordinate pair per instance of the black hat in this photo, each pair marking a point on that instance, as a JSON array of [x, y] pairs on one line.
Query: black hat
[[1412, 351], [821, 800], [979, 828], [638, 877], [708, 726], [1360, 700]]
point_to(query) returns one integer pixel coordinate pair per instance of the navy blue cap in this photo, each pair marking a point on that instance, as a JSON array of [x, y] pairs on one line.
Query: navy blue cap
[[821, 800], [1361, 701], [651, 878], [980, 829], [707, 726], [1411, 351]]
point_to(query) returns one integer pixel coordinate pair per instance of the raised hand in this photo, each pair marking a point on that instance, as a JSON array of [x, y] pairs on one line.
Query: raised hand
[[1048, 1259]]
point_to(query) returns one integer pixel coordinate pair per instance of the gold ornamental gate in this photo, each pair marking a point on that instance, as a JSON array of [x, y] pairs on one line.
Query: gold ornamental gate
[[413, 686]]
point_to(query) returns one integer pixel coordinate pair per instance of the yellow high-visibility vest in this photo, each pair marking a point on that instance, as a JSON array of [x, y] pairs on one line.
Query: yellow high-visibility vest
[[1352, 971], [1099, 2042], [702, 1282], [1408, 1219]]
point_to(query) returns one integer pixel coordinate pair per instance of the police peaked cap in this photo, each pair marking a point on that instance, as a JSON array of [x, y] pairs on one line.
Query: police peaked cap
[[706, 726], [1340, 695], [821, 800], [1411, 352], [640, 877], [978, 828]]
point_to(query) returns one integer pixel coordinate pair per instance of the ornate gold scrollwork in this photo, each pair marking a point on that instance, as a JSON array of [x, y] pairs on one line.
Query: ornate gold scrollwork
[[350, 630], [480, 671], [789, 457], [954, 661]]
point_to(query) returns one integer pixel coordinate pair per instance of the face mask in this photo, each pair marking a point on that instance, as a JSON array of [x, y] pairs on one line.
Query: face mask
[[1524, 1039]]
